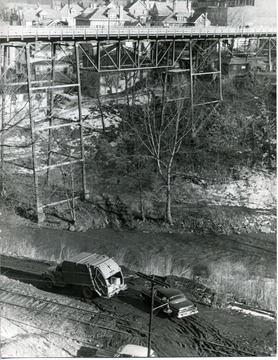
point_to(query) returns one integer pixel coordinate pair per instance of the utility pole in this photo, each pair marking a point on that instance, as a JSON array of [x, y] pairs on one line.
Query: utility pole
[[158, 282], [151, 319]]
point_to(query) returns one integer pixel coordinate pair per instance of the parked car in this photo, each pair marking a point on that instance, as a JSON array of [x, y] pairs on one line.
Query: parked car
[[176, 304], [131, 350], [127, 351]]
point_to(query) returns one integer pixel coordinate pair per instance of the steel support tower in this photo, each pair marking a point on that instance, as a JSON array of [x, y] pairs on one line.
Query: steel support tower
[[57, 143]]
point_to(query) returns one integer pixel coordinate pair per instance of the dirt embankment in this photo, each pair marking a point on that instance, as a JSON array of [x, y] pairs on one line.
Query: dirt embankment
[[243, 206]]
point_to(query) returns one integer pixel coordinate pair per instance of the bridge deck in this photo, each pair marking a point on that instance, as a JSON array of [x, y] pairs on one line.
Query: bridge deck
[[25, 34]]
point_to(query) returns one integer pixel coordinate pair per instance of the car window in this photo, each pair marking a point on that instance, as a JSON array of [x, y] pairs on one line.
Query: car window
[[160, 295]]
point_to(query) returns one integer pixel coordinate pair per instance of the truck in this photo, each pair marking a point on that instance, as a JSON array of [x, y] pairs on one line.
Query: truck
[[94, 273]]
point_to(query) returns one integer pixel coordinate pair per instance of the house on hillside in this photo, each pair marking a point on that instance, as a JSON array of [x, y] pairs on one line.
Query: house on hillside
[[138, 10], [198, 20], [69, 13], [110, 16], [45, 14], [235, 66], [159, 12], [42, 16], [85, 4], [170, 14]]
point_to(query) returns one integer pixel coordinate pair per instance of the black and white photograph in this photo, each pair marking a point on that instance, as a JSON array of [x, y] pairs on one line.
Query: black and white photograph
[[138, 186]]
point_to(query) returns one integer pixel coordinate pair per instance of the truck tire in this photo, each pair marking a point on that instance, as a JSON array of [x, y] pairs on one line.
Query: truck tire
[[87, 292], [48, 283]]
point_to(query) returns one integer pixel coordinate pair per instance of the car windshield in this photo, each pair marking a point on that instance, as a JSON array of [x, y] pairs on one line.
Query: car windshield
[[177, 298]]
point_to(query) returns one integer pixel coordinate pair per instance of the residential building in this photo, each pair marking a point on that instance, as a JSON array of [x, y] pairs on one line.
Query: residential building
[[39, 16], [138, 10], [235, 66], [110, 16], [171, 13], [69, 13], [198, 20]]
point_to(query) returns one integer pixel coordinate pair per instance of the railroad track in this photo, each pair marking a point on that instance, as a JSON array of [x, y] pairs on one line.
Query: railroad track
[[81, 313], [206, 339]]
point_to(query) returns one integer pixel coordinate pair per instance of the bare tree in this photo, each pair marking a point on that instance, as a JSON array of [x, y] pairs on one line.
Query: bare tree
[[161, 126]]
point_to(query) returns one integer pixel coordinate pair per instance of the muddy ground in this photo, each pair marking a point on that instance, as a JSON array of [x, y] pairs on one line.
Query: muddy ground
[[212, 332]]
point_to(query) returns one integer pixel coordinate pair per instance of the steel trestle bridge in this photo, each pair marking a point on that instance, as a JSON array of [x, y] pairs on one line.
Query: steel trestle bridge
[[11, 34], [195, 53]]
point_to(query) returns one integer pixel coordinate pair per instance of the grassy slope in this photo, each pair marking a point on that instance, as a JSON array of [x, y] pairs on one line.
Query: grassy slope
[[241, 266]]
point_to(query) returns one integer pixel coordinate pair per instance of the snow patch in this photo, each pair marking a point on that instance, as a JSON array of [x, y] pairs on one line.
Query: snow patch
[[250, 312]]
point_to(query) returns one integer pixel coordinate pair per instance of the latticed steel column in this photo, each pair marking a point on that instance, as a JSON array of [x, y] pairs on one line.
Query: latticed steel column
[[220, 70], [205, 76], [191, 84], [4, 58], [39, 208], [50, 113], [82, 159]]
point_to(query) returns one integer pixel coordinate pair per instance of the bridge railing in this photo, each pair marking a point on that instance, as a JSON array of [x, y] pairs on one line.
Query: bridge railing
[[74, 32]]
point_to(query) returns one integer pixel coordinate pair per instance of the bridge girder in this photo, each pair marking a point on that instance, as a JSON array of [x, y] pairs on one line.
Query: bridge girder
[[198, 59]]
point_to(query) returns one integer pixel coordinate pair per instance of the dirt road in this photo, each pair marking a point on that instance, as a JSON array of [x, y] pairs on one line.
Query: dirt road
[[125, 318]]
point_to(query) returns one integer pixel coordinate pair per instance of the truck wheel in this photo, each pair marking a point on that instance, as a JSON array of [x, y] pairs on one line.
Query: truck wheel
[[87, 292], [48, 283]]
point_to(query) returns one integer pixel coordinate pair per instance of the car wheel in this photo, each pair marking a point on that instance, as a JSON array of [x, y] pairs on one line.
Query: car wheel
[[87, 292], [48, 283]]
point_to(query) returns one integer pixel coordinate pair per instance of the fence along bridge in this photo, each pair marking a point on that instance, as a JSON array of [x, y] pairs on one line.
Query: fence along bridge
[[196, 52]]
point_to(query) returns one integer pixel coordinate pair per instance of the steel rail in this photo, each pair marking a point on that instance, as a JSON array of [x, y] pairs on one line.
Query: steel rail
[[29, 34], [29, 307], [14, 293]]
